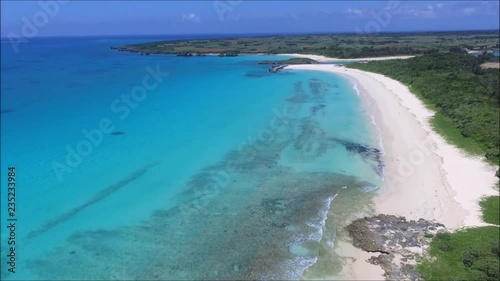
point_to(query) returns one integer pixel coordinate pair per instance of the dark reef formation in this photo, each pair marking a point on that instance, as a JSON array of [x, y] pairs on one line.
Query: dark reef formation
[[397, 241], [313, 140], [256, 74], [365, 151]]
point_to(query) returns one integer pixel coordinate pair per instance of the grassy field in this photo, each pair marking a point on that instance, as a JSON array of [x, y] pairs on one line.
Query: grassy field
[[471, 254], [446, 128], [332, 45], [491, 209]]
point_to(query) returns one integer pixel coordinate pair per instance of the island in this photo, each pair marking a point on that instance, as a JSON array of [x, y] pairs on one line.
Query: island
[[330, 45]]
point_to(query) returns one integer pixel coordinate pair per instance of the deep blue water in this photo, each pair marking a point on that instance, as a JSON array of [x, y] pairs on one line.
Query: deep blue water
[[165, 167]]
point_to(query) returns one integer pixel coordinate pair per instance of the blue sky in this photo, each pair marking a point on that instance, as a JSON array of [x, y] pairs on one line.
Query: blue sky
[[229, 16]]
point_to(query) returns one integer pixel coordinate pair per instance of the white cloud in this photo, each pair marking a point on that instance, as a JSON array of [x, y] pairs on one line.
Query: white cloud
[[469, 10], [192, 17], [419, 11], [448, 9]]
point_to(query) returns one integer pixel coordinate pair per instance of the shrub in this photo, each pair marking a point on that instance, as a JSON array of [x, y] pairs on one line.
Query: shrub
[[490, 266], [495, 248], [443, 242], [470, 256], [475, 275], [443, 236]]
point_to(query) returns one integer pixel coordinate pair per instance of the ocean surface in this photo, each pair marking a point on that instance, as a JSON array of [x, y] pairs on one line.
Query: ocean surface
[[165, 167]]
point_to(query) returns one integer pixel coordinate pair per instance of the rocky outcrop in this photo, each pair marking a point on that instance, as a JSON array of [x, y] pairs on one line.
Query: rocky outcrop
[[277, 68], [289, 61], [397, 241]]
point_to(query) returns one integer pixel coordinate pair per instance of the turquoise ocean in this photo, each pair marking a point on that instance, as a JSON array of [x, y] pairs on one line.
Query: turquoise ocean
[[163, 167]]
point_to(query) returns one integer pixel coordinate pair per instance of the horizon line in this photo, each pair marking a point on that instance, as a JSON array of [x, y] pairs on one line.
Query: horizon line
[[261, 33]]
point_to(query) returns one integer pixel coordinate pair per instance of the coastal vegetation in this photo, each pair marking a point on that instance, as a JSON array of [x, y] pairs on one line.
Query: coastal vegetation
[[278, 65], [465, 97], [290, 61], [470, 254], [338, 45], [490, 207]]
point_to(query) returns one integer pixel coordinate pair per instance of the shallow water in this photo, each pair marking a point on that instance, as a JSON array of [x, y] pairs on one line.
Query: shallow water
[[222, 171]]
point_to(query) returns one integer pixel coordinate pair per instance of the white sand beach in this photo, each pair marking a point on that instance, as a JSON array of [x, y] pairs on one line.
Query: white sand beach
[[328, 59], [426, 177]]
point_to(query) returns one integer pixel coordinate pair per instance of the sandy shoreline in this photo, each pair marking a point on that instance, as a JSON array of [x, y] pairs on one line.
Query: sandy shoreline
[[327, 59], [425, 176]]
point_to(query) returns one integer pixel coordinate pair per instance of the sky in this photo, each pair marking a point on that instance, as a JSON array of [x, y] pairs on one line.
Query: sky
[[81, 18]]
